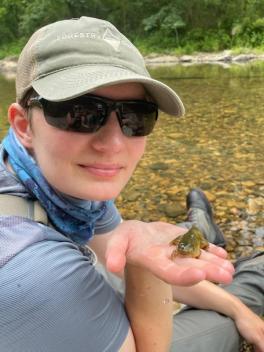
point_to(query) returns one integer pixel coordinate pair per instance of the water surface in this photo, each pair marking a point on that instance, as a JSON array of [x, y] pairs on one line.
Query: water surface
[[218, 146]]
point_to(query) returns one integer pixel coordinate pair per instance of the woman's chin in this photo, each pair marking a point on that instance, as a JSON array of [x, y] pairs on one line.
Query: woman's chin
[[100, 195]]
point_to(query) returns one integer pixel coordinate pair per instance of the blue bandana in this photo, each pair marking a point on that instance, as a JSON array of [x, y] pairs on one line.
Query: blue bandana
[[69, 217]]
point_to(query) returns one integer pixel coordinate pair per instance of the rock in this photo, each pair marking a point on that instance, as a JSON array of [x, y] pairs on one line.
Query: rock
[[173, 190], [211, 197], [243, 242], [244, 57], [246, 347], [231, 242], [234, 211], [162, 59], [186, 58], [260, 232], [243, 250], [173, 211], [260, 248], [225, 57], [205, 185], [232, 256], [258, 239], [177, 307], [8, 67], [159, 166], [248, 183], [173, 136], [131, 197], [255, 205], [234, 204]]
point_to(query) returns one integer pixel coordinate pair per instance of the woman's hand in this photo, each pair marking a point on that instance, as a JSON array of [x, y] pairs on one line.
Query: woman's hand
[[147, 245], [251, 327]]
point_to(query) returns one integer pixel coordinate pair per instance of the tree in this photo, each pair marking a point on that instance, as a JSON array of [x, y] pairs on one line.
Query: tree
[[167, 20], [10, 11]]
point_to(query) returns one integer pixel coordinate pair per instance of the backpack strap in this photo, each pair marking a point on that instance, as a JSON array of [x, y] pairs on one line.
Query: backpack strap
[[11, 205]]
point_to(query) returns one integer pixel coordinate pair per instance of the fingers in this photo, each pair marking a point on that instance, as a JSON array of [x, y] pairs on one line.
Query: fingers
[[220, 252], [220, 261], [174, 274], [186, 271], [214, 272], [185, 276], [215, 266], [215, 269], [191, 271]]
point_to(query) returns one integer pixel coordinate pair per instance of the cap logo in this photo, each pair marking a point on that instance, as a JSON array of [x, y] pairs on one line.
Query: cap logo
[[87, 35], [111, 39]]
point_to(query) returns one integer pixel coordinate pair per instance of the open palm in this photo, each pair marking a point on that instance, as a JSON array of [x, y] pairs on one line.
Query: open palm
[[147, 245]]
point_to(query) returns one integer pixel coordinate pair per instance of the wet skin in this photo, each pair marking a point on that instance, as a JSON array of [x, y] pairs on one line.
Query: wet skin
[[189, 244]]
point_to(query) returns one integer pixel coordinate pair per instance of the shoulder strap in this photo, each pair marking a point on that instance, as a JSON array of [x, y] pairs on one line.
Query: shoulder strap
[[18, 206], [11, 205]]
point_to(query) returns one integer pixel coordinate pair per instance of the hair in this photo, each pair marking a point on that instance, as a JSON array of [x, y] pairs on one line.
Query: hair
[[31, 93], [23, 102]]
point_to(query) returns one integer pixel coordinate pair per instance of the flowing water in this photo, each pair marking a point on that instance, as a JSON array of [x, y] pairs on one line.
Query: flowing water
[[218, 146]]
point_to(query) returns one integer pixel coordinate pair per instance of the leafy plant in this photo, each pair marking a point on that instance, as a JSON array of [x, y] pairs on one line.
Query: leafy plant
[[167, 21]]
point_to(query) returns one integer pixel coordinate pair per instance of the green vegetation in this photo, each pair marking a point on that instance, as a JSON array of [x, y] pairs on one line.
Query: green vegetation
[[168, 26]]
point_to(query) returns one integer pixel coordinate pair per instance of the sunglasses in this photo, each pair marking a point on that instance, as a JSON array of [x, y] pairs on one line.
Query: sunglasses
[[89, 113]]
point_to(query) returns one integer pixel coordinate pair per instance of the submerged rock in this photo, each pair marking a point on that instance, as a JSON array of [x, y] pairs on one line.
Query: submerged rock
[[159, 166]]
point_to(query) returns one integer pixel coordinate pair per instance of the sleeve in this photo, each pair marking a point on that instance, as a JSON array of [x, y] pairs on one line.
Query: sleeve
[[52, 299], [109, 221]]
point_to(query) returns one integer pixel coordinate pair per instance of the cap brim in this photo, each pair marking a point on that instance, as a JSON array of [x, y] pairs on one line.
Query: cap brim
[[70, 83]]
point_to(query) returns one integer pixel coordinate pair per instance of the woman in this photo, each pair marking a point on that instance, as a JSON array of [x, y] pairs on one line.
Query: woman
[[85, 104]]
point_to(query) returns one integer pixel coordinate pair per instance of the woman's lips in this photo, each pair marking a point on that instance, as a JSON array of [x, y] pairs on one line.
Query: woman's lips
[[102, 170]]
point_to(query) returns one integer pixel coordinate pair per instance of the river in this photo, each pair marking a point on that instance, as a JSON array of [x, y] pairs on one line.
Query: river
[[218, 146]]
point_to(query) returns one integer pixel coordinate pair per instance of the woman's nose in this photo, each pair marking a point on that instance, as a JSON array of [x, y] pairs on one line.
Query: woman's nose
[[110, 136]]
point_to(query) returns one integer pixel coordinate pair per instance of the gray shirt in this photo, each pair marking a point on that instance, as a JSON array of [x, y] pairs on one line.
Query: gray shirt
[[51, 297]]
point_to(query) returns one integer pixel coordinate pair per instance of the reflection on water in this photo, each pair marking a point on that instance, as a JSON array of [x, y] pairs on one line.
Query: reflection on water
[[217, 146]]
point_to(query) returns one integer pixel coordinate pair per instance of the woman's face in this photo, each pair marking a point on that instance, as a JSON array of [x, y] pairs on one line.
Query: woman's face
[[94, 166]]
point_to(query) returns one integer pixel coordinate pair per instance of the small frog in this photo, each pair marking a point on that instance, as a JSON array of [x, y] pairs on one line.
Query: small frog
[[189, 244]]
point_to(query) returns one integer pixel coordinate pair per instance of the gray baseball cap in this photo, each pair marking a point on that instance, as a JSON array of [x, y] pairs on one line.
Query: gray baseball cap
[[73, 57]]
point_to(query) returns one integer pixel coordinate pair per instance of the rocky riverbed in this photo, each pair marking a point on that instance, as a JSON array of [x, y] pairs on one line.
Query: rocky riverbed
[[238, 201], [156, 198]]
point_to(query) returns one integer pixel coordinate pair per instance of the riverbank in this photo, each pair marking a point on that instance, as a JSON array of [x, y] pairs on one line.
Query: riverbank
[[225, 57], [8, 65]]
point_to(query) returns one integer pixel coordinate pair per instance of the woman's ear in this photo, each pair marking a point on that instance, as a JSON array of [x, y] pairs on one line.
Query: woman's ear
[[17, 117]]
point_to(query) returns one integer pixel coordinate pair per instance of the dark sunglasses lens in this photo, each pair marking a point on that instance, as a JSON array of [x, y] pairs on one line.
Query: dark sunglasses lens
[[138, 119], [77, 117], [88, 114]]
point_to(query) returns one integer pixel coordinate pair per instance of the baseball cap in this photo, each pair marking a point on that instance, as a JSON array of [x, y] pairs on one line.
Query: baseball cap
[[69, 58]]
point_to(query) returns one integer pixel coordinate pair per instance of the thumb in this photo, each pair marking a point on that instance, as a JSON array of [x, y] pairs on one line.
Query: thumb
[[116, 253]]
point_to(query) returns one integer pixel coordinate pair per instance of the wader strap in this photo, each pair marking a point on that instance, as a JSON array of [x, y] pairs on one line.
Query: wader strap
[[18, 206]]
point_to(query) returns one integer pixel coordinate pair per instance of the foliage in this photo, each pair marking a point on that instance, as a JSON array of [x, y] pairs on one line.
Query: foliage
[[9, 18], [41, 12], [167, 21], [168, 25]]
